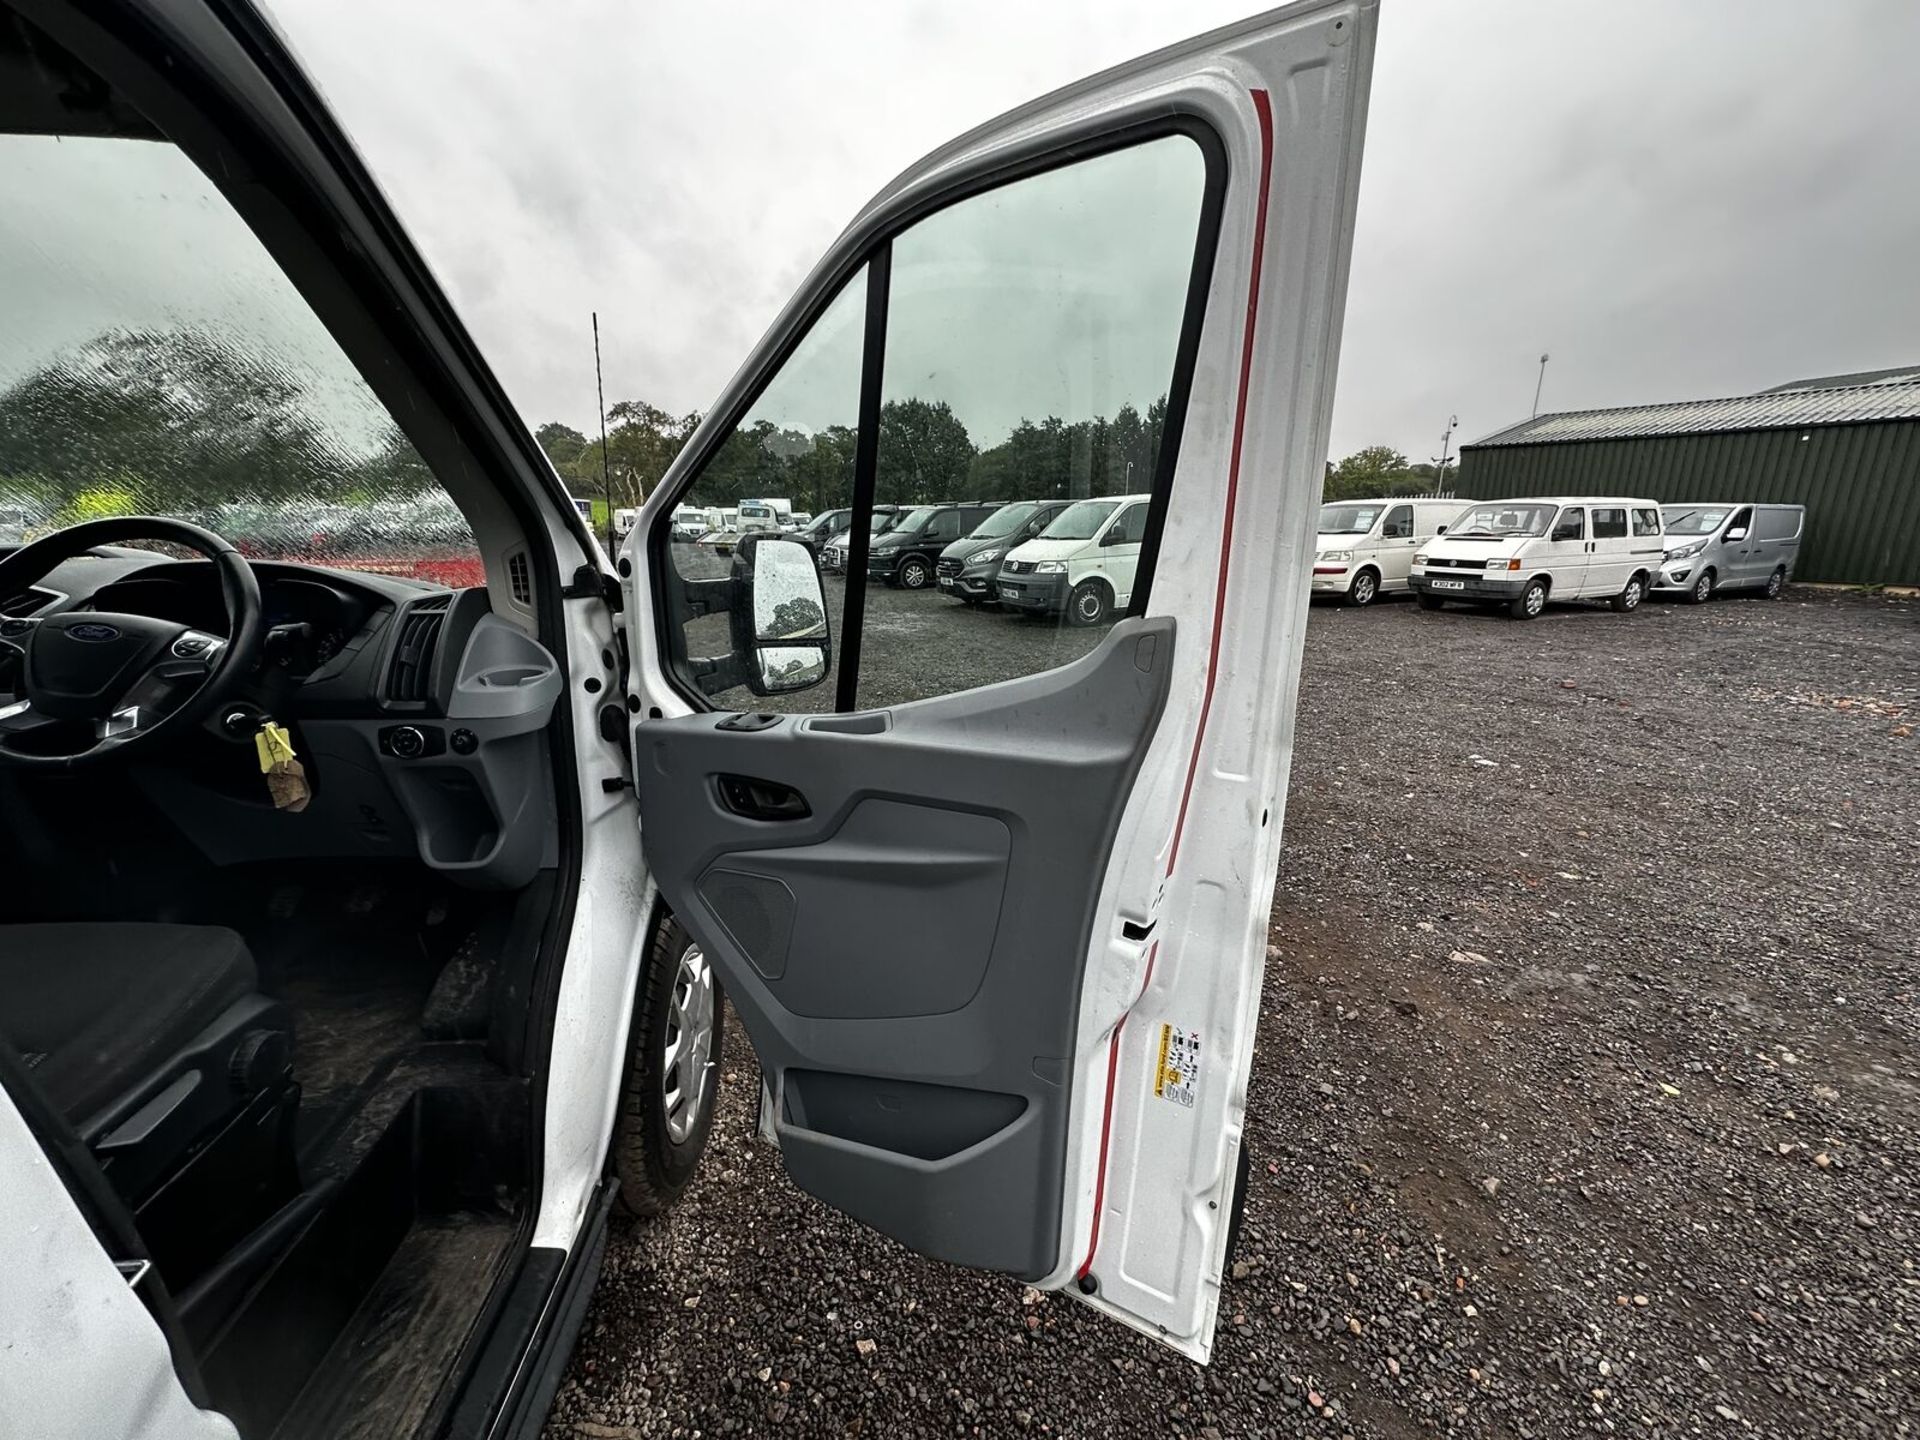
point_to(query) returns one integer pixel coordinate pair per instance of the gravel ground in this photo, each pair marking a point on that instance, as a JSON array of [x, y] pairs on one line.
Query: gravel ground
[[1584, 1101]]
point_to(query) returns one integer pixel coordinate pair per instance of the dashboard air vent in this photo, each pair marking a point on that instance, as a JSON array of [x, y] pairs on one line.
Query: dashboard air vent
[[520, 578], [410, 673], [27, 601]]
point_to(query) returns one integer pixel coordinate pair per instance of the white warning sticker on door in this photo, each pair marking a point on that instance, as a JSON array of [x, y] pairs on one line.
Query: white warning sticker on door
[[1177, 1076]]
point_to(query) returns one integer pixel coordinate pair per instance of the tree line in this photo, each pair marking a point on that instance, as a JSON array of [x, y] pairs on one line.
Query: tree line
[[167, 420], [924, 454], [176, 421]]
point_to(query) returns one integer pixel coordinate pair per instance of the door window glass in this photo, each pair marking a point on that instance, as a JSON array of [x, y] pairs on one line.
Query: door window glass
[[1398, 524], [1572, 524], [1609, 522], [1742, 519], [1130, 528], [1646, 521], [1030, 346], [796, 442]]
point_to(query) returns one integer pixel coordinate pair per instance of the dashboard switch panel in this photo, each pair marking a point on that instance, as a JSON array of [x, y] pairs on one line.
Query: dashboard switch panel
[[413, 742]]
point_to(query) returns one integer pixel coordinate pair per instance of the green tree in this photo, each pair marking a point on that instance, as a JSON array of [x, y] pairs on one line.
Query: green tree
[[562, 443], [175, 421], [1378, 470], [925, 453]]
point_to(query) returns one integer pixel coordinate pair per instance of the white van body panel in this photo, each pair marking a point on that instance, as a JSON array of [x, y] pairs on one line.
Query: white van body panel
[[1340, 558]]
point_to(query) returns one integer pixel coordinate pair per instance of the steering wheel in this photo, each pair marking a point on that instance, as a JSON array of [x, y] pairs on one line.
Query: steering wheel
[[122, 680]]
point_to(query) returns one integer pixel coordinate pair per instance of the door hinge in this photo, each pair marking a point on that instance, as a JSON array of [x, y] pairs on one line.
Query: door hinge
[[590, 582]]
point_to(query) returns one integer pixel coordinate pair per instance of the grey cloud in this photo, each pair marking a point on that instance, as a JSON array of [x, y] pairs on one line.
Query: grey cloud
[[1673, 200]]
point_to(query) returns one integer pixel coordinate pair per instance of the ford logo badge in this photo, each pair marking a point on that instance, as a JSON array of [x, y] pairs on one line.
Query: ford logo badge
[[93, 630]]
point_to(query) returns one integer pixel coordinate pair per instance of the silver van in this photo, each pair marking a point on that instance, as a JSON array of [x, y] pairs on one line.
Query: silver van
[[1728, 546]]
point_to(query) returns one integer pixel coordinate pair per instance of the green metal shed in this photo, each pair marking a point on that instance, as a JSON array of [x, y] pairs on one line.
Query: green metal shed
[[1849, 452]]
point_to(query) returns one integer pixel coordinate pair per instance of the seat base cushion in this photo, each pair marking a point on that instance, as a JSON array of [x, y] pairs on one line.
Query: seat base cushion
[[93, 1008]]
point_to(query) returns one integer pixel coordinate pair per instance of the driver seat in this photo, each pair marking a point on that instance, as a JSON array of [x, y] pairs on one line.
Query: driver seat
[[95, 1009], [156, 1044]]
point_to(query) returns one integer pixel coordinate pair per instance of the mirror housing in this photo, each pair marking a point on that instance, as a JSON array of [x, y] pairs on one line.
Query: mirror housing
[[777, 614], [1566, 532], [1739, 532], [1441, 531]]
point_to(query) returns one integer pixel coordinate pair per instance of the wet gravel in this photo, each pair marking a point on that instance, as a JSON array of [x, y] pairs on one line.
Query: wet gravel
[[1585, 1100]]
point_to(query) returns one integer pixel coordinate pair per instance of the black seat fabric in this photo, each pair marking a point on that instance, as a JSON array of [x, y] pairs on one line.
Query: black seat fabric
[[93, 1008]]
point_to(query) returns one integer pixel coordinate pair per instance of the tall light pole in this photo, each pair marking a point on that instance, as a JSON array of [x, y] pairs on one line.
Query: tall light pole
[[1537, 385], [1446, 439]]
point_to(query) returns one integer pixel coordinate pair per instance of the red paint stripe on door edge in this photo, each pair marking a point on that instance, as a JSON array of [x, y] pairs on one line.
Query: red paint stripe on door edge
[[1263, 108]]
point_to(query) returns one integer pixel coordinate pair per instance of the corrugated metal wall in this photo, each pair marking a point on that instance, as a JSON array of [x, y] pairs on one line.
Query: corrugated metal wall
[[1860, 484]]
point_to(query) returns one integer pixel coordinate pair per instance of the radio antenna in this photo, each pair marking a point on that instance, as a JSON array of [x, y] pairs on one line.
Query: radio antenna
[[606, 465]]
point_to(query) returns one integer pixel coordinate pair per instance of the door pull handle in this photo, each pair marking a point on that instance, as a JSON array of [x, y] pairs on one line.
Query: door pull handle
[[762, 799]]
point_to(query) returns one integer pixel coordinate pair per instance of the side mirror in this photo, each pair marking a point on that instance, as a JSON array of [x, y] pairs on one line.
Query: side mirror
[[1115, 536], [1739, 533], [778, 615], [1441, 531]]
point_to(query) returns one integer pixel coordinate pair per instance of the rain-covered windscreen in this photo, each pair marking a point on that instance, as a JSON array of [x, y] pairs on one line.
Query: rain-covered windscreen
[[154, 360]]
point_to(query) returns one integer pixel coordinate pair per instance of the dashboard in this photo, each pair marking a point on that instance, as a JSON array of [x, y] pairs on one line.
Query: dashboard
[[417, 714]]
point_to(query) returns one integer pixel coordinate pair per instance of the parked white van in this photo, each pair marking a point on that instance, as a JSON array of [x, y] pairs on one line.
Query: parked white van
[[1083, 563], [1522, 553], [1365, 547], [1728, 546]]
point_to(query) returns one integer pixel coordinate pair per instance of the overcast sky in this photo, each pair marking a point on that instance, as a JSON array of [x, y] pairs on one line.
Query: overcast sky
[[1675, 201]]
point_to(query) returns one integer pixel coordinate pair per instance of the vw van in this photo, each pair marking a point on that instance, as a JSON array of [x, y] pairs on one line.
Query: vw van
[[1524, 553], [1365, 548], [1082, 564]]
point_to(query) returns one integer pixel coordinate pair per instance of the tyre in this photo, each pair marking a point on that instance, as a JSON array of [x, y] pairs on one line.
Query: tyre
[[673, 1074], [1531, 601], [1702, 590], [1089, 604], [1431, 602], [1776, 582], [1630, 596], [1364, 590], [916, 573]]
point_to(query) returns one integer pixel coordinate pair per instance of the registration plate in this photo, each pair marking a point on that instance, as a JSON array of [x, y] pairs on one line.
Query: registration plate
[[1448, 584]]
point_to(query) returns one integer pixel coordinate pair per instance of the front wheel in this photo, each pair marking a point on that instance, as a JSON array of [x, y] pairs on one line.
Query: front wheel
[[1630, 595], [673, 1073], [1776, 582], [1702, 590], [1088, 604], [1364, 590], [1531, 601], [915, 573]]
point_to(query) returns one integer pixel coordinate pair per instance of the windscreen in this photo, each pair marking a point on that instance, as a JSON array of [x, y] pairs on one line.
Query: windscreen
[[155, 360], [1692, 519], [1348, 519], [1081, 521], [1500, 521]]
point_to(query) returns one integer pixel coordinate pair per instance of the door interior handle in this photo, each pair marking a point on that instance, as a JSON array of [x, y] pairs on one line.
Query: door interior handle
[[762, 799]]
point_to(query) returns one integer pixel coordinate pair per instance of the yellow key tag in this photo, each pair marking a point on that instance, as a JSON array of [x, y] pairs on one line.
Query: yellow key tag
[[274, 745], [286, 776]]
